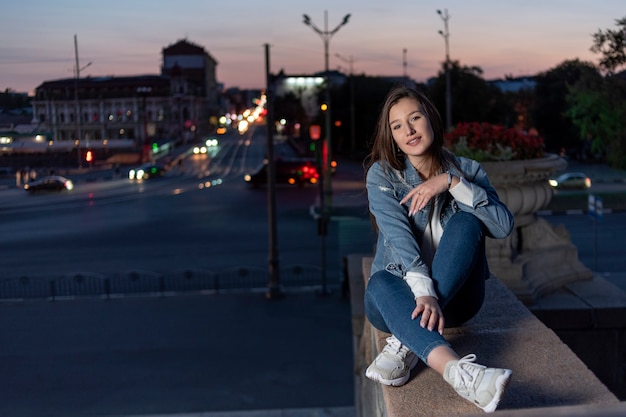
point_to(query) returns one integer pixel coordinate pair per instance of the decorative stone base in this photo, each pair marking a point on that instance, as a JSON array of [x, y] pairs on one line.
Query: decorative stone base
[[548, 260], [537, 258]]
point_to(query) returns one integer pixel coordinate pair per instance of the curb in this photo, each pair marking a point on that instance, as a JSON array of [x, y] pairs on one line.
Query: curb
[[576, 212]]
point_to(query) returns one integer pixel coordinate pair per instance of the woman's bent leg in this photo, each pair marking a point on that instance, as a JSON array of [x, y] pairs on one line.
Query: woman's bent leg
[[459, 268], [389, 303]]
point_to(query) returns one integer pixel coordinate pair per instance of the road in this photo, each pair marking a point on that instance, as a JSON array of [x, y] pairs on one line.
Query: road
[[205, 217], [201, 217], [187, 353]]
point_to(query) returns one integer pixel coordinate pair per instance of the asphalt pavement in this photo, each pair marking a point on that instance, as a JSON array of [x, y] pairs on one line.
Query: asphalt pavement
[[237, 354], [177, 355]]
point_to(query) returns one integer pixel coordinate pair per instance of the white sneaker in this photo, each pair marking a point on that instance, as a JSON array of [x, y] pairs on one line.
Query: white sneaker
[[478, 384], [393, 364]]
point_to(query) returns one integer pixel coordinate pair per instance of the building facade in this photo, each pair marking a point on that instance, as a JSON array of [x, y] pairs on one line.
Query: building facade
[[175, 106]]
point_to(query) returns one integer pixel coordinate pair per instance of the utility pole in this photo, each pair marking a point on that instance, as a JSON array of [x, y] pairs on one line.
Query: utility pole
[[274, 289], [77, 102], [404, 63], [446, 36]]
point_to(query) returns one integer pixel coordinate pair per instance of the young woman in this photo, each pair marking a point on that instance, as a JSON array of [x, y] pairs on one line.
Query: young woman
[[432, 211]]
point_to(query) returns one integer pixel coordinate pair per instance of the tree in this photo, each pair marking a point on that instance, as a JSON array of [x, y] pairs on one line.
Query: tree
[[598, 110], [611, 44], [550, 108], [473, 99], [10, 100], [597, 104]]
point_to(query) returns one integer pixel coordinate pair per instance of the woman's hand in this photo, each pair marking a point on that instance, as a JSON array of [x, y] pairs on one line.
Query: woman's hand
[[423, 193], [432, 316]]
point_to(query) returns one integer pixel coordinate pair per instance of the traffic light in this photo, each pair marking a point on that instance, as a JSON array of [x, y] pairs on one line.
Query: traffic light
[[315, 132], [89, 155]]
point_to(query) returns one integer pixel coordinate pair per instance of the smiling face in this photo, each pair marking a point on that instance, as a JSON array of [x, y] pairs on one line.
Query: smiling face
[[411, 130]]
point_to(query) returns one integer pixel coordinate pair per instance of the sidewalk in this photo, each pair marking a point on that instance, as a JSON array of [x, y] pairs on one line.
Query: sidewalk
[[186, 355]]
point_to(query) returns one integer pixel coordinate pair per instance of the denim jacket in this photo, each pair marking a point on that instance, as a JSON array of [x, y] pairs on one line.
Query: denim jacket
[[397, 248]]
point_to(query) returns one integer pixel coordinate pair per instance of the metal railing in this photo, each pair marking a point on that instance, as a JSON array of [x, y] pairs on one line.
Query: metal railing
[[140, 282]]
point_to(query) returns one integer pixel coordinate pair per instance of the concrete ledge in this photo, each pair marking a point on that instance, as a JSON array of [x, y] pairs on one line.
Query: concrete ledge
[[546, 373], [590, 317]]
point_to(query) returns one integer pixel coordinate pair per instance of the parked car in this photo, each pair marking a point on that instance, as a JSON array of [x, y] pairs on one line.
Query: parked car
[[292, 172], [146, 171], [49, 183], [571, 181]]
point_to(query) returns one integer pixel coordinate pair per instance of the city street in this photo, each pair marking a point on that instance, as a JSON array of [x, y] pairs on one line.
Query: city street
[[181, 353], [192, 352], [203, 216]]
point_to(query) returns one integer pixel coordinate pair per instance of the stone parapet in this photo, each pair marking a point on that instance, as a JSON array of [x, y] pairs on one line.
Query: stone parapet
[[547, 375], [590, 317]]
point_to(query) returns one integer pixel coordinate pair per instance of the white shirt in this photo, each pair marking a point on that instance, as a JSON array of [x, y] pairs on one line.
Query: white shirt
[[421, 284]]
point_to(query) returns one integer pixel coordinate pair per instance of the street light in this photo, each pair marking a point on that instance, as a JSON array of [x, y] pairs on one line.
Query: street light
[[78, 69], [325, 174], [446, 35], [326, 36]]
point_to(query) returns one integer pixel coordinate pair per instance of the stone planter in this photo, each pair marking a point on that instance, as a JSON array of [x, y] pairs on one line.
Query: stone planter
[[537, 258]]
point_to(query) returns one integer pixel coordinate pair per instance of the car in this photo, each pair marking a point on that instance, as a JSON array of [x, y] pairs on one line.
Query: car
[[49, 183], [146, 171], [571, 181], [211, 142], [291, 172]]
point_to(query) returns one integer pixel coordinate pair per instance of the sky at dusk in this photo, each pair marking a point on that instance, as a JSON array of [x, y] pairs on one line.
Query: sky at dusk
[[121, 38]]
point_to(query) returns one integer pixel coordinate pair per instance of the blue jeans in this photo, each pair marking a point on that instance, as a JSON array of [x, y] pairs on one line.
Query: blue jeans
[[459, 271]]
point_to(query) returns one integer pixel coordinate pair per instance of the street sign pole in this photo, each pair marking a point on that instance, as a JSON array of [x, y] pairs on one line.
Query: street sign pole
[[595, 208]]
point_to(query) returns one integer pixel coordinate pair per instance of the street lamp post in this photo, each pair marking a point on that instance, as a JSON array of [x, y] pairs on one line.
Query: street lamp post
[[325, 174], [446, 36], [326, 36], [78, 69], [274, 288]]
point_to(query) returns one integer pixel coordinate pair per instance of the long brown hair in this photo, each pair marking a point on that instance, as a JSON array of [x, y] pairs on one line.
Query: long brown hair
[[384, 147]]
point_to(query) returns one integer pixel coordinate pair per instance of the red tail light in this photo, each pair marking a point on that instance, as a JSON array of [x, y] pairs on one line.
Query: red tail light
[[309, 171]]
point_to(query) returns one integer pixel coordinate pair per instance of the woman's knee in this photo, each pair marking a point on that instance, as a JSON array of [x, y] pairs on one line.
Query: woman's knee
[[464, 232], [467, 222], [385, 296], [380, 282], [373, 293]]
